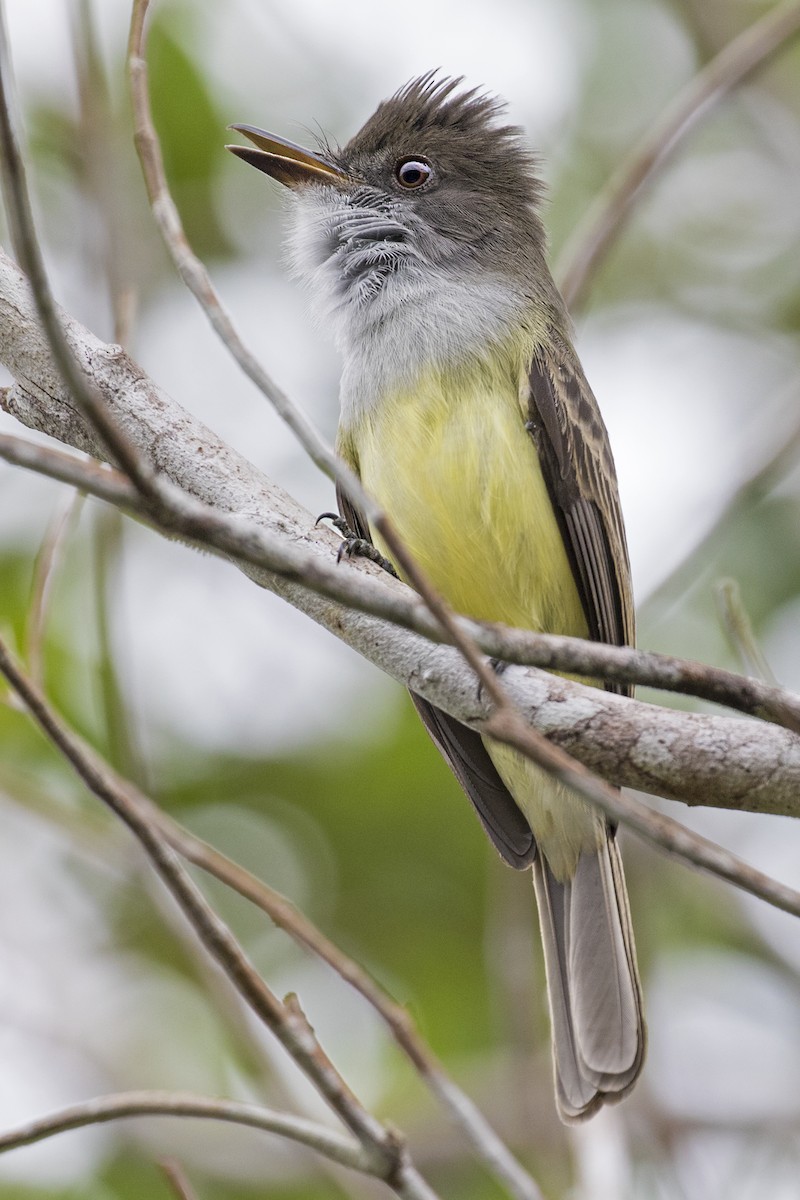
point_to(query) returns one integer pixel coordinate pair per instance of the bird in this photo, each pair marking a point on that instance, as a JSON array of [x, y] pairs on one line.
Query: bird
[[465, 413]]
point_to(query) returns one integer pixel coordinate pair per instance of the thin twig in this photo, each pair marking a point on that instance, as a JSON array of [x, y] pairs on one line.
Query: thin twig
[[197, 279], [285, 916], [506, 724], [176, 1179], [387, 1150], [359, 589], [739, 629], [93, 478], [106, 546], [104, 181], [696, 759], [45, 569], [605, 218], [194, 274], [23, 236], [783, 458], [509, 726], [336, 1146], [657, 828]]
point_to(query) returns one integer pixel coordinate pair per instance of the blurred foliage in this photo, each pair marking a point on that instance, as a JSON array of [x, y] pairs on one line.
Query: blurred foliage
[[188, 117], [363, 826]]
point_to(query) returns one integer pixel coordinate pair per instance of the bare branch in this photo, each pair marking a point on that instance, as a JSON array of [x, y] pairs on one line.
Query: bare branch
[[91, 477], [176, 1178], [196, 278], [479, 1133], [336, 1146], [82, 389], [387, 1151], [782, 459], [47, 562], [103, 183], [360, 589], [194, 274], [106, 537], [606, 216], [693, 758], [739, 629], [655, 827]]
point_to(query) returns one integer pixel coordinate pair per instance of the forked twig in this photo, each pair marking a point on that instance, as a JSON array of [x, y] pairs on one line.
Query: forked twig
[[386, 1149]]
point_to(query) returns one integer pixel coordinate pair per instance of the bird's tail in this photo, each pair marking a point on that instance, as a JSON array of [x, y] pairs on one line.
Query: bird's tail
[[592, 982]]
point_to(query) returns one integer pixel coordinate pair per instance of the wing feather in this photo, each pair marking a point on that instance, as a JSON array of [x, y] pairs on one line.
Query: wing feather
[[578, 468]]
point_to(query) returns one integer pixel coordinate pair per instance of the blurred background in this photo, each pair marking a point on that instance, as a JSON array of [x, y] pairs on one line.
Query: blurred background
[[271, 739]]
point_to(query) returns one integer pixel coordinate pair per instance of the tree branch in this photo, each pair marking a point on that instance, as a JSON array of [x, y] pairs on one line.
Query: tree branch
[[45, 568], [479, 1133], [176, 1178], [386, 1149], [605, 218], [17, 204], [689, 757], [335, 1146], [179, 513], [360, 589], [96, 479], [196, 277], [738, 628]]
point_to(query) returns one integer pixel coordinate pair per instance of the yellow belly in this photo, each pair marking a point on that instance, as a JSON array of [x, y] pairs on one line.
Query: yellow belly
[[460, 477], [455, 469]]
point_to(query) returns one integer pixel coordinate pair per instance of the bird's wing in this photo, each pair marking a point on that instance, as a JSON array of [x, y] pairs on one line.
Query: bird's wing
[[564, 421]]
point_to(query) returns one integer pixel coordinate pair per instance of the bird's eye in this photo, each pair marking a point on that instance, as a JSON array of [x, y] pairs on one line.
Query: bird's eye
[[412, 172]]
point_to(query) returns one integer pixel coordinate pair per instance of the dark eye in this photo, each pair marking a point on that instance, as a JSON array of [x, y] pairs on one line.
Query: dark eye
[[412, 172]]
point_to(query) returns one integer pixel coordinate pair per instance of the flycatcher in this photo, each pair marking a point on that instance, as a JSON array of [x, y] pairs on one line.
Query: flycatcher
[[465, 411]]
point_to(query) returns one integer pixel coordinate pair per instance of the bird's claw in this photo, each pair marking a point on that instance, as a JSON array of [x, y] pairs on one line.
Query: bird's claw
[[353, 546]]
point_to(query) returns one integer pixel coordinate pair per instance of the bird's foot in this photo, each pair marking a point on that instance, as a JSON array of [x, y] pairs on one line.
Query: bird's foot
[[353, 546], [499, 665]]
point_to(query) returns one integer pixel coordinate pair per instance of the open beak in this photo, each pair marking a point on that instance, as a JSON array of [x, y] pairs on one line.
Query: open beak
[[290, 164]]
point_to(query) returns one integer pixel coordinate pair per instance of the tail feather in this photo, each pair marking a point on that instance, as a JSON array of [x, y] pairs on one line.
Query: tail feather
[[592, 981]]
